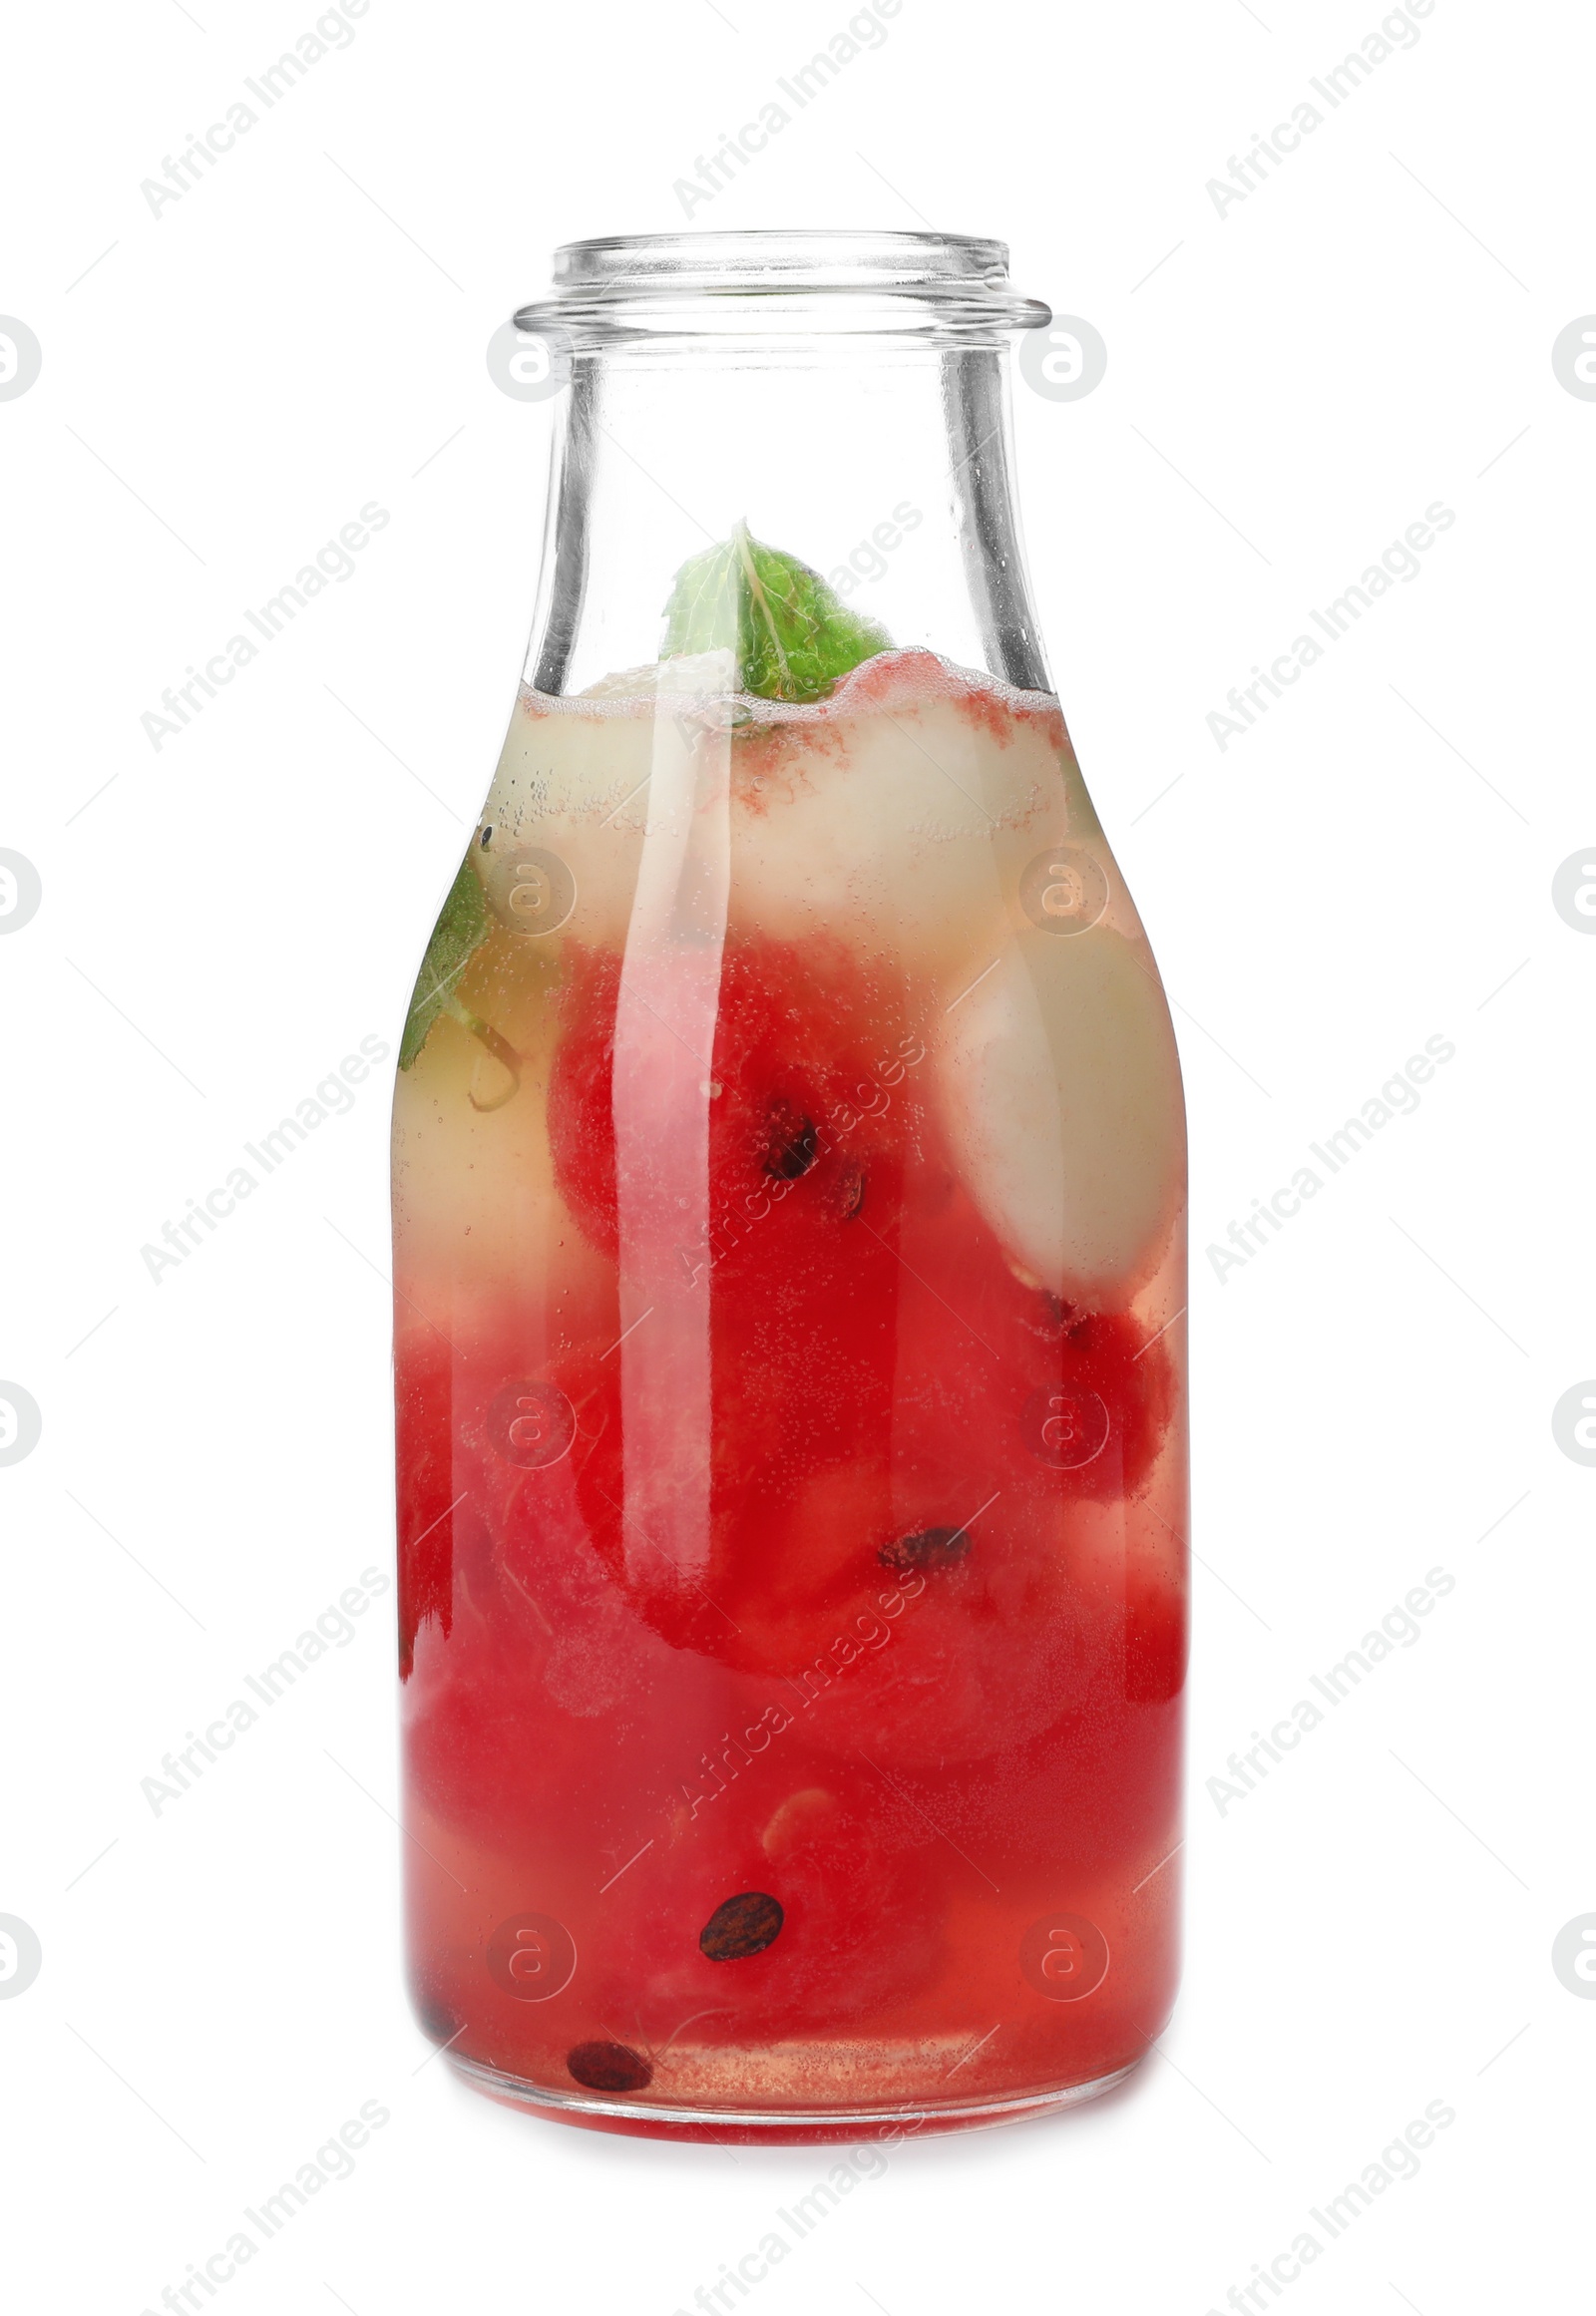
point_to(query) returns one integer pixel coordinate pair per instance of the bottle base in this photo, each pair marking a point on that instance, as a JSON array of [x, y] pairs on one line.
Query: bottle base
[[784, 2127]]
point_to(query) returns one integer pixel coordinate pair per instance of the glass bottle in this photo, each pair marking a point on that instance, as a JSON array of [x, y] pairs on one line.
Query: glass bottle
[[789, 1194]]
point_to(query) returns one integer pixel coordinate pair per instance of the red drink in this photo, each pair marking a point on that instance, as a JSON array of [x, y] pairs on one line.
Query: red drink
[[790, 1418]]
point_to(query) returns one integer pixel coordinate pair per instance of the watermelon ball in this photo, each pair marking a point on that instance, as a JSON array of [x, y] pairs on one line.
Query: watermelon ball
[[783, 1907], [806, 1085]]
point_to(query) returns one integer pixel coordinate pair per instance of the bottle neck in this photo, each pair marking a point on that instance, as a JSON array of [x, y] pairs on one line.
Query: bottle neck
[[884, 465]]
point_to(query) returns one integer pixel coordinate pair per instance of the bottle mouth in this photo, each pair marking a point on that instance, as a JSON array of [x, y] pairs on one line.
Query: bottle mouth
[[758, 284]]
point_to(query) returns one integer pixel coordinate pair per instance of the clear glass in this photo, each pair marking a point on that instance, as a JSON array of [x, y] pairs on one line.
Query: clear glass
[[789, 1197]]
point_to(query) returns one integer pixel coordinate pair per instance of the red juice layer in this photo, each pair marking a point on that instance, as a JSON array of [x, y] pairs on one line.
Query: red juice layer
[[867, 1797]]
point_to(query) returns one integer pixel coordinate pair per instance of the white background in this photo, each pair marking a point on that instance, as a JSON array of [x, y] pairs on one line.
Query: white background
[[1369, 1930]]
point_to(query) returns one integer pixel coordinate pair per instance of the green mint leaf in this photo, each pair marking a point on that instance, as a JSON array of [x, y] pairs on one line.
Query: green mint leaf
[[462, 922], [792, 636]]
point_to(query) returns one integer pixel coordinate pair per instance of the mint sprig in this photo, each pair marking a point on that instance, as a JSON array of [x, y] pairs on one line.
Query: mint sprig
[[462, 922], [792, 637]]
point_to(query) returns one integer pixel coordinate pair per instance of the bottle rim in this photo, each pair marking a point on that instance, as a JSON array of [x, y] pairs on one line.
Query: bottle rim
[[628, 284]]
